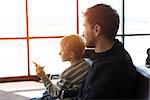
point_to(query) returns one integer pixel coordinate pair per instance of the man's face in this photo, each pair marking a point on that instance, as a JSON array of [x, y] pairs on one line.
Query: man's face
[[88, 33]]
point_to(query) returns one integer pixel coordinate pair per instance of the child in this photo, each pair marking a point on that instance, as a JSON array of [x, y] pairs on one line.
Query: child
[[72, 50]]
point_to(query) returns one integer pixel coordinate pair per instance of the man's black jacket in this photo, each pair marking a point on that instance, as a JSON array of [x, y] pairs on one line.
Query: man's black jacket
[[112, 75]]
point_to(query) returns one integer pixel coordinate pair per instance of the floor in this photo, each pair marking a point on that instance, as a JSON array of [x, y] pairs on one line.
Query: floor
[[23, 90]]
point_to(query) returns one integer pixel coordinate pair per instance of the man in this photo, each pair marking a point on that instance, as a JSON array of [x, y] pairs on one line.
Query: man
[[112, 73]]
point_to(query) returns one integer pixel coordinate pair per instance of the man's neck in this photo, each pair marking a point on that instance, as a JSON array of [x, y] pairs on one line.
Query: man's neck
[[103, 45]]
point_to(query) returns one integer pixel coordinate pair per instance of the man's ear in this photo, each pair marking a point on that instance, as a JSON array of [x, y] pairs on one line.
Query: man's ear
[[97, 29]]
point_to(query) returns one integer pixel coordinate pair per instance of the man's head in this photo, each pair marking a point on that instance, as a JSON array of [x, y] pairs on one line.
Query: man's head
[[100, 20], [72, 47]]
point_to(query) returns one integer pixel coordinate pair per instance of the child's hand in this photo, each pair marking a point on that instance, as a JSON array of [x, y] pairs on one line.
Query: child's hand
[[39, 70]]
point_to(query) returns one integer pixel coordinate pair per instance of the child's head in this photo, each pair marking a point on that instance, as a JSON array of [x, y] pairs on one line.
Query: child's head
[[72, 48]]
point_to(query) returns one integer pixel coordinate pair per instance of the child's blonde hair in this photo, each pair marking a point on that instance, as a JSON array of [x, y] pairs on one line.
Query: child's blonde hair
[[74, 43]]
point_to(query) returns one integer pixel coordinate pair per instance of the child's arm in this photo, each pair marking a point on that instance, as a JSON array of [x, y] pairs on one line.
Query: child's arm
[[50, 87]]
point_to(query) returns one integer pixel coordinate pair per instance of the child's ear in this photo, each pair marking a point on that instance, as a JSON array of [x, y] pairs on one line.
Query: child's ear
[[71, 54]]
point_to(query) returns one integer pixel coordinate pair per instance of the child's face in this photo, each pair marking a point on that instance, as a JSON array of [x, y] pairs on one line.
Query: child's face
[[64, 53]]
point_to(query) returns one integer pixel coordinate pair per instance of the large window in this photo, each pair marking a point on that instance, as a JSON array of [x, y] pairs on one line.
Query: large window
[[30, 30]]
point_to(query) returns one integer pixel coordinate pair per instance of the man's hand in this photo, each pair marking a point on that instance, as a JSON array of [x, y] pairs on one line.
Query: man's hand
[[39, 70]]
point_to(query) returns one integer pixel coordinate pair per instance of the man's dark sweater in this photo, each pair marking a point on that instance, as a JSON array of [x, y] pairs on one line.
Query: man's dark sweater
[[111, 75]]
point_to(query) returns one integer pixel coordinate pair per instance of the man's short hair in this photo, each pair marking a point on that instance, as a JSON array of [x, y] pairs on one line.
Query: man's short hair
[[106, 17]]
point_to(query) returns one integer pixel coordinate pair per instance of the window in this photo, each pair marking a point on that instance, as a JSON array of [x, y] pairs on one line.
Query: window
[[30, 30], [137, 18], [52, 17], [13, 51], [137, 47], [13, 58], [12, 18], [137, 29]]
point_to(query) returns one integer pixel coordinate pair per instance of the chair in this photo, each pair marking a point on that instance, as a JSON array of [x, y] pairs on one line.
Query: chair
[[142, 84]]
